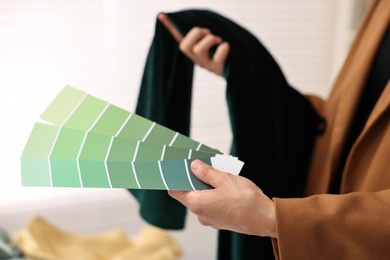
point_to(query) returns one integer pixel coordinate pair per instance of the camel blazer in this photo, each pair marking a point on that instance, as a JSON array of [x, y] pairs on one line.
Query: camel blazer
[[356, 223]]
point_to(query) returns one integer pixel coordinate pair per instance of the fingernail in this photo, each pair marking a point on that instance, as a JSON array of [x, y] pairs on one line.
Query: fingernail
[[196, 164]]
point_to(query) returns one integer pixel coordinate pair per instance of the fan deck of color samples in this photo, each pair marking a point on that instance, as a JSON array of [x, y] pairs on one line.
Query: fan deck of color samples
[[88, 142]]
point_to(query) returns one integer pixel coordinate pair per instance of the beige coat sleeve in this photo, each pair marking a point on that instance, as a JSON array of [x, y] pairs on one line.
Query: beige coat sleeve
[[351, 226]]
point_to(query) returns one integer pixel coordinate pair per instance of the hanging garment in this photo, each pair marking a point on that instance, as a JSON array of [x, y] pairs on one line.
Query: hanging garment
[[273, 131]]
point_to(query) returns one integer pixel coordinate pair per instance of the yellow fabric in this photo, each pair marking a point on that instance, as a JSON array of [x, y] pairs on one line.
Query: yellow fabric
[[42, 240]]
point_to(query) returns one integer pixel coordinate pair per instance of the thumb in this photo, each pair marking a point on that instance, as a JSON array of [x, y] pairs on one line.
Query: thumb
[[206, 173]]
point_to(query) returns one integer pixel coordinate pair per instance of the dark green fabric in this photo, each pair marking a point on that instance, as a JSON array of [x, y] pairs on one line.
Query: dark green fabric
[[273, 125]]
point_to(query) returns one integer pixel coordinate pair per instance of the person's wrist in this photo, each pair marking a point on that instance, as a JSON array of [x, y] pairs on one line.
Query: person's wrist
[[263, 222], [272, 222]]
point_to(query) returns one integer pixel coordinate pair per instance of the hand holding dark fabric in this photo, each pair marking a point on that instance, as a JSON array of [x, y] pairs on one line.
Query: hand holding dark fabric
[[203, 47]]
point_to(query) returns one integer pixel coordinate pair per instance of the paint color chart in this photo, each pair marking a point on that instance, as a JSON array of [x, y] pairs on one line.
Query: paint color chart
[[88, 142]]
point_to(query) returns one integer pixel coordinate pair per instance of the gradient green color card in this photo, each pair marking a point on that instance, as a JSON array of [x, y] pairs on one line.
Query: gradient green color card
[[134, 164], [96, 144], [73, 158], [167, 175], [76, 109], [63, 105], [64, 167]]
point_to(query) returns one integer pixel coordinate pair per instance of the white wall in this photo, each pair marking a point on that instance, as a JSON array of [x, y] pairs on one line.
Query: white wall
[[101, 46]]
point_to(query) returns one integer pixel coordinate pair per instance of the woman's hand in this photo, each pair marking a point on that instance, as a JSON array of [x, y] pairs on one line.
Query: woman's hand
[[196, 45], [235, 203]]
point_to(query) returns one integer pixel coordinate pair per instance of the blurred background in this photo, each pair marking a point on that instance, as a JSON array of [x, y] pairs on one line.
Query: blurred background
[[100, 47]]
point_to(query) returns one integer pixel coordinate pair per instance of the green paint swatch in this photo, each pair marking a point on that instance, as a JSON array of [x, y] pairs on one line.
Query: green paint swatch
[[110, 121], [88, 142], [65, 173], [122, 175], [176, 175]]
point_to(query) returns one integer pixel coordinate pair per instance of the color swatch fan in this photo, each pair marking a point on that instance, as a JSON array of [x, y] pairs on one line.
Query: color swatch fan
[[88, 142]]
